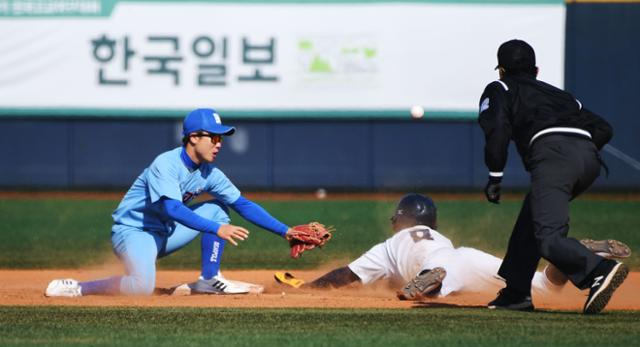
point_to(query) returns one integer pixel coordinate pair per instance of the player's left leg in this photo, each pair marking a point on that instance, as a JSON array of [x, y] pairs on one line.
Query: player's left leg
[[211, 247], [137, 249]]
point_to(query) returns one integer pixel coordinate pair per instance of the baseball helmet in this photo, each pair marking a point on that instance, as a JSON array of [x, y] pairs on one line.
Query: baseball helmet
[[206, 119], [417, 209]]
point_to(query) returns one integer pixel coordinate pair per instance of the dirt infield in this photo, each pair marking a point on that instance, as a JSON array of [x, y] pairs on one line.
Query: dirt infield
[[26, 287]]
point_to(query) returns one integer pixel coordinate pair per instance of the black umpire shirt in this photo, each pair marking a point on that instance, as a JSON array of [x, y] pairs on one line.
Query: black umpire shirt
[[521, 108]]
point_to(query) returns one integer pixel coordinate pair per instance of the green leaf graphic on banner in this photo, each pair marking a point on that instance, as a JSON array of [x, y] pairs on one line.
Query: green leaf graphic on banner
[[319, 65], [305, 45], [370, 52]]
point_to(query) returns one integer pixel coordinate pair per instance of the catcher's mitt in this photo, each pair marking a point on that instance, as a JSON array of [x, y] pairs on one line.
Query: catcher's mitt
[[308, 236]]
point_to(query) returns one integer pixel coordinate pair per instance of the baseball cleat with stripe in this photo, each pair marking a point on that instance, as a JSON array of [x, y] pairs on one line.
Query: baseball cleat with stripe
[[216, 285], [252, 287], [607, 248], [427, 283], [607, 278], [64, 287]]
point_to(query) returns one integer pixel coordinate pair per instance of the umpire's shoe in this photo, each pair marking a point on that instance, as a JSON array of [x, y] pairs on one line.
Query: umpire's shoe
[[607, 277], [427, 283], [507, 300]]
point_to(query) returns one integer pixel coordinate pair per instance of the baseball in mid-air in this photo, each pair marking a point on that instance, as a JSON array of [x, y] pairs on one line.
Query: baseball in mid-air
[[417, 112], [321, 193]]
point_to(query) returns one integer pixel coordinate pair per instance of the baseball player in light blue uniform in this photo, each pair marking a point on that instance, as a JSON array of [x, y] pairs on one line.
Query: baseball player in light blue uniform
[[153, 219]]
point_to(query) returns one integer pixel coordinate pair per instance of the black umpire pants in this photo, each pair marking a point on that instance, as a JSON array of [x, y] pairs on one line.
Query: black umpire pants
[[561, 167]]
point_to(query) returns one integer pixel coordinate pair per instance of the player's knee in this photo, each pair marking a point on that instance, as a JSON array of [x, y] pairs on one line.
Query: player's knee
[[144, 288], [213, 210], [138, 285]]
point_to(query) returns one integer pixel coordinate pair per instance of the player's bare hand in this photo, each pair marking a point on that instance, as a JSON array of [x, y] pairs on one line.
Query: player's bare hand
[[231, 233]]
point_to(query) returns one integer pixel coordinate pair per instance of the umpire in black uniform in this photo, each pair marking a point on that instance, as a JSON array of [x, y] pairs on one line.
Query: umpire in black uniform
[[559, 142]]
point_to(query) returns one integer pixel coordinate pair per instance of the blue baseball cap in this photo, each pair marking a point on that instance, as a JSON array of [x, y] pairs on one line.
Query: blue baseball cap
[[205, 119]]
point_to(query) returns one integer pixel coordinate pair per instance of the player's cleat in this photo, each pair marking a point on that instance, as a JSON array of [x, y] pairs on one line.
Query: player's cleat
[[507, 300], [427, 283], [607, 248], [215, 285], [65, 287], [288, 279], [233, 287], [253, 288], [607, 277]]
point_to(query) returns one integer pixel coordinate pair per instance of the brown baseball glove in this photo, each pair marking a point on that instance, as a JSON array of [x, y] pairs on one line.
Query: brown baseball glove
[[308, 236]]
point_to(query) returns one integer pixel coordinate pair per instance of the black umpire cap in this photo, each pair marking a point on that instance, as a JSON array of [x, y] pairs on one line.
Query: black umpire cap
[[516, 55]]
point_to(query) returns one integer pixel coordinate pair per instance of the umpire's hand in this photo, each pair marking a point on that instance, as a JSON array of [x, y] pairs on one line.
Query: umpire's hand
[[492, 190]]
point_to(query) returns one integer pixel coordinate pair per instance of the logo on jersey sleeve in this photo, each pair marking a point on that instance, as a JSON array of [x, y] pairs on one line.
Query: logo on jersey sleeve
[[188, 196], [484, 105]]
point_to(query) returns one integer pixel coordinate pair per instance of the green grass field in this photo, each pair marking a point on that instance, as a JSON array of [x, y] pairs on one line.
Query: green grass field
[[60, 233], [64, 326]]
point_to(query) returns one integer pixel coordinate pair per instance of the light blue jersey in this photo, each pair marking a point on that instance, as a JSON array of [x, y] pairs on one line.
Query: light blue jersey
[[168, 176], [151, 223]]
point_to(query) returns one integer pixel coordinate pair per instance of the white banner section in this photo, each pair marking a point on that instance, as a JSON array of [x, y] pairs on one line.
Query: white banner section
[[317, 57]]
